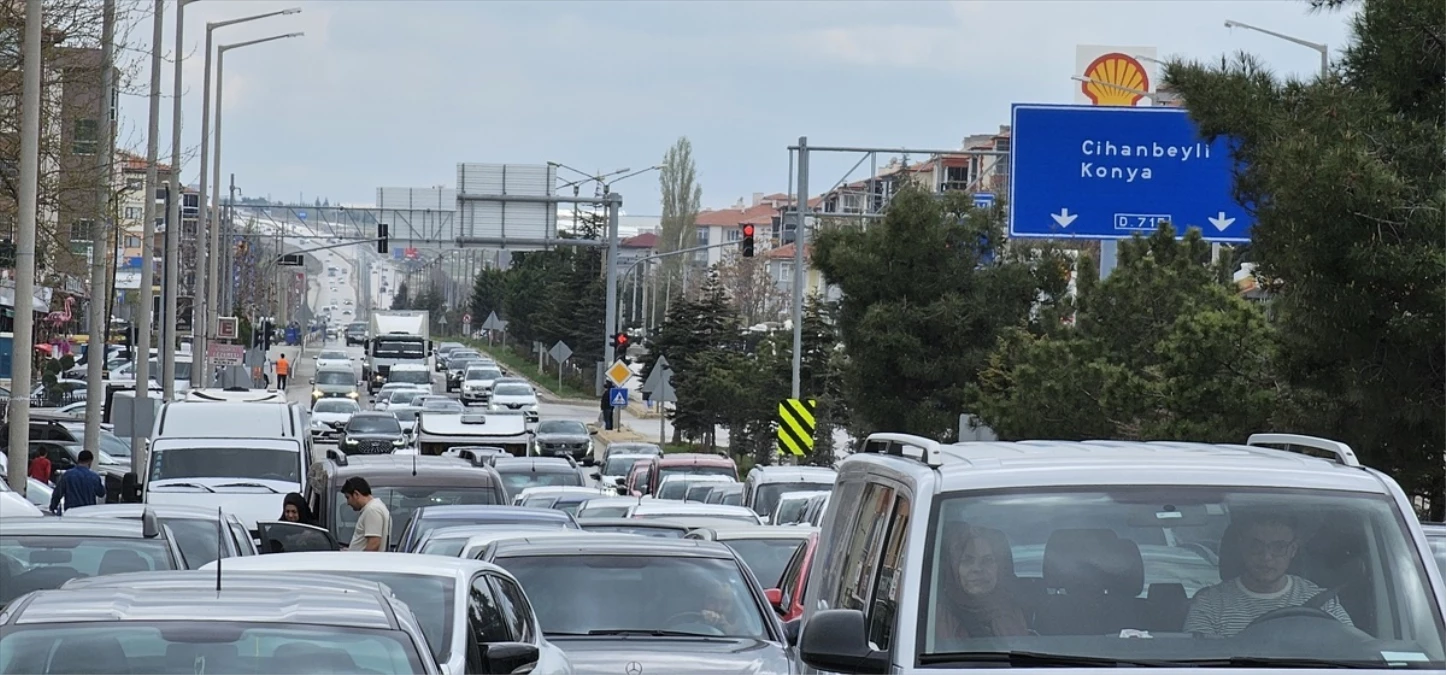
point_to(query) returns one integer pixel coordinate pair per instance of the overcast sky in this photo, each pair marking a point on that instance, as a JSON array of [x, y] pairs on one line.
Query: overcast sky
[[396, 93]]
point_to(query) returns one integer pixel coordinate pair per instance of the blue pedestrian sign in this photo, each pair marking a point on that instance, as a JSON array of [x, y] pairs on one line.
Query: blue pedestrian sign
[[301, 215], [1105, 172], [618, 397], [983, 200]]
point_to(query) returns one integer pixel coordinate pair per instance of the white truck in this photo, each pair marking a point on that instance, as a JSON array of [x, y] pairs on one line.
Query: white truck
[[396, 336]]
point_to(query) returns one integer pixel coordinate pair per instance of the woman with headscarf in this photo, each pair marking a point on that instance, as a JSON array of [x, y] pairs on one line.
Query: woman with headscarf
[[974, 604], [295, 510]]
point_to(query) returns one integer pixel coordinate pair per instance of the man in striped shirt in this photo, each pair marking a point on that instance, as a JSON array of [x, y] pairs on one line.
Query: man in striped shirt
[[1268, 544]]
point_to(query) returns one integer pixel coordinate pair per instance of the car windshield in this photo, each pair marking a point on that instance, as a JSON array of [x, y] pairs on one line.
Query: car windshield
[[450, 548], [334, 356], [183, 369], [732, 499], [385, 348], [696, 470], [112, 445], [694, 514], [512, 390], [647, 449], [373, 424], [568, 427], [636, 593], [402, 502], [603, 511], [403, 396], [790, 510], [198, 539], [43, 562], [657, 532], [404, 415], [409, 376], [1299, 575], [336, 405], [431, 599], [335, 377], [676, 488], [442, 405], [620, 465], [477, 374], [460, 355], [517, 480], [224, 647], [766, 556], [259, 463], [765, 495]]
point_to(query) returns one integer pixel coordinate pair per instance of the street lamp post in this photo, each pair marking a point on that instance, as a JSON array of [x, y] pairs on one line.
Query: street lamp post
[[173, 222], [208, 237], [1325, 50], [216, 158]]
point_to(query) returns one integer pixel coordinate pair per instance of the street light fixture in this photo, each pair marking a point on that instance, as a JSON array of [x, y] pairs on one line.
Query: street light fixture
[[208, 236], [1325, 50]]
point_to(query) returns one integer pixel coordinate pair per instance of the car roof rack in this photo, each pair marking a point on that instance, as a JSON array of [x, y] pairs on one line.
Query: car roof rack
[[1340, 452], [336, 456], [905, 445]]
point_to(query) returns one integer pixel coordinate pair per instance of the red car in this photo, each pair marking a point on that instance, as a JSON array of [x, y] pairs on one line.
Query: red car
[[788, 600]]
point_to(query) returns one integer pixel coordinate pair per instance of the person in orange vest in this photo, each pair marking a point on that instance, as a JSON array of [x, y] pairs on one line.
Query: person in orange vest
[[283, 368]]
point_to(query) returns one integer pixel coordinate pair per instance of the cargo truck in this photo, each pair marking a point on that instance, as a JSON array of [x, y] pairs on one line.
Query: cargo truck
[[395, 336]]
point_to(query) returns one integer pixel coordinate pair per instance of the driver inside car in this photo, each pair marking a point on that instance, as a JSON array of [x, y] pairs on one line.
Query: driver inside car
[[1268, 545], [720, 608]]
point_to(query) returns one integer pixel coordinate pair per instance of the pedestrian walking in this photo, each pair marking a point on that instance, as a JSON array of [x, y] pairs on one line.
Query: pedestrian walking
[[78, 486], [283, 369], [607, 409], [374, 521]]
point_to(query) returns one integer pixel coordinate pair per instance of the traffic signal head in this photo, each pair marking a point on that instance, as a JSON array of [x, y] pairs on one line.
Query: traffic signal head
[[748, 249], [381, 237], [621, 341]]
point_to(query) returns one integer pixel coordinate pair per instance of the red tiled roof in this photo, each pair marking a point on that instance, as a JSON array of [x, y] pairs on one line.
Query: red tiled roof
[[761, 214], [133, 162], [785, 252], [644, 240]]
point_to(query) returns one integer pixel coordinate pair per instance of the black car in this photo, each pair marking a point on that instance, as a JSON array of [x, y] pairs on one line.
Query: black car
[[356, 333], [563, 438], [372, 433]]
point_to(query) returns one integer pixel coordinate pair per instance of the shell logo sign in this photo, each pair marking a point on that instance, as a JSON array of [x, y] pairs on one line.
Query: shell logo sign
[[1114, 75], [1118, 69]]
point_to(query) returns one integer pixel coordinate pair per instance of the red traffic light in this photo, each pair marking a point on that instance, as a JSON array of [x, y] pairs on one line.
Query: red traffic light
[[747, 230], [621, 340]]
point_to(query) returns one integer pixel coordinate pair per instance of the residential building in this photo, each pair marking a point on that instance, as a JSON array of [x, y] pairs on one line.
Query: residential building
[[725, 225], [780, 270]]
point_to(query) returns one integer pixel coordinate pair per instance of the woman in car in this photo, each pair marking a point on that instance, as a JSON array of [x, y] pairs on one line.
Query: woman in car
[[295, 510], [974, 603]]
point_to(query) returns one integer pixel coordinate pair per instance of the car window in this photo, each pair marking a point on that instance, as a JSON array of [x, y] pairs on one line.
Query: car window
[[861, 548], [409, 376], [402, 502], [1438, 547], [765, 495], [512, 390], [39, 563], [258, 463], [374, 424], [1183, 560], [766, 557], [639, 593], [335, 377], [336, 405], [562, 427], [431, 600], [788, 580], [517, 481], [885, 599], [484, 616], [515, 609]]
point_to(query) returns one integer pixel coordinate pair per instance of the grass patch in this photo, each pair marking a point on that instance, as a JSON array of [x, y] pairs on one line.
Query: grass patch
[[527, 367]]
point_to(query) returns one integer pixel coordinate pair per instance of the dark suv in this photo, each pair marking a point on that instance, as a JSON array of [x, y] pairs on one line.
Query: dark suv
[[371, 433], [403, 482]]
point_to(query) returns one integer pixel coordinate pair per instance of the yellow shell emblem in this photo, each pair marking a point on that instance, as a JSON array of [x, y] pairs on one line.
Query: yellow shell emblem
[[1118, 69]]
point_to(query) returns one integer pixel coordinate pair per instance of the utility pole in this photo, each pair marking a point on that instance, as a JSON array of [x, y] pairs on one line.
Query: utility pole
[[801, 212], [170, 329], [24, 341], [610, 321], [100, 291], [143, 324]]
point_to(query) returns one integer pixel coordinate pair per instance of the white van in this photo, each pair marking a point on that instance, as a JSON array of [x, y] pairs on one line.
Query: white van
[[243, 455]]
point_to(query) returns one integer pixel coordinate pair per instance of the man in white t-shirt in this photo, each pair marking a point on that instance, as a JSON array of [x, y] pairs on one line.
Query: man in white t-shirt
[[1268, 545], [374, 521]]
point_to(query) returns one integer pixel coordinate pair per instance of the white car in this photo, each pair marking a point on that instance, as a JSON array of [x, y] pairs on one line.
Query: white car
[[397, 397], [330, 415], [385, 393], [333, 359], [515, 396]]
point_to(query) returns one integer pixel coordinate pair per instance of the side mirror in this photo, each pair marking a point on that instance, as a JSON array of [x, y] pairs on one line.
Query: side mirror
[[509, 657], [312, 381], [130, 488], [790, 631], [589, 461], [622, 481], [837, 640], [775, 598], [592, 432]]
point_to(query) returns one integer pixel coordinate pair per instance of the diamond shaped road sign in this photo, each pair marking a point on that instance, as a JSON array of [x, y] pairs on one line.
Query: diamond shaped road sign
[[560, 352], [618, 373]]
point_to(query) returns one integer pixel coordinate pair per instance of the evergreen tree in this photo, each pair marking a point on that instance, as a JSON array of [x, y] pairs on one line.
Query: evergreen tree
[[926, 292], [1348, 182]]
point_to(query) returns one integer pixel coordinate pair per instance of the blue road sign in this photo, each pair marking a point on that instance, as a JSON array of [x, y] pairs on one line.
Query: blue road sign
[[1104, 172], [983, 200], [134, 262], [301, 215], [618, 397]]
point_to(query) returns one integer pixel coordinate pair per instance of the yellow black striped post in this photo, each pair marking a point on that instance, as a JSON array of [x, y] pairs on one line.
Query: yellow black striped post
[[796, 425]]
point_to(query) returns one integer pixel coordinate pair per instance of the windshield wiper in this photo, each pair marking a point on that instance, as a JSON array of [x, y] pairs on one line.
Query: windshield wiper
[[251, 485], [649, 632], [1280, 662], [1043, 659], [198, 486]]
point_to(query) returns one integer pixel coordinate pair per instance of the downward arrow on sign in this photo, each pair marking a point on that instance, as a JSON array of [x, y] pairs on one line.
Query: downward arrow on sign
[[1064, 217], [1220, 221]]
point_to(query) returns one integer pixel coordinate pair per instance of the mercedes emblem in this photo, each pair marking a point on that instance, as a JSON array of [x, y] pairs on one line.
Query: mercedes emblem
[[635, 668]]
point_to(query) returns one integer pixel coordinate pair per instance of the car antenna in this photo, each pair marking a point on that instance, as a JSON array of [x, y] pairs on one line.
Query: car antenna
[[414, 463], [220, 523]]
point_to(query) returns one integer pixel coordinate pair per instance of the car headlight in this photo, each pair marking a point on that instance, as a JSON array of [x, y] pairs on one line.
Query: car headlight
[[352, 394], [317, 394], [399, 442], [351, 441]]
